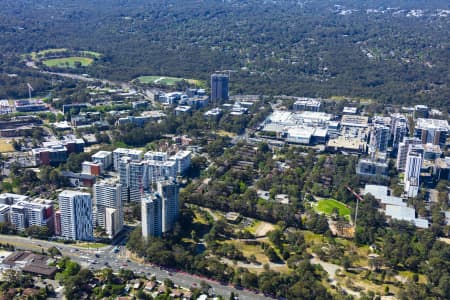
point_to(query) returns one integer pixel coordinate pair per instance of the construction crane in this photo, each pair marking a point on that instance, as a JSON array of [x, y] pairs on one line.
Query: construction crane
[[358, 198]]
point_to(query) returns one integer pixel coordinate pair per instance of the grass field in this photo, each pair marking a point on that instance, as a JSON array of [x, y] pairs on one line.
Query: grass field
[[6, 146], [41, 53], [326, 206], [68, 62], [163, 80]]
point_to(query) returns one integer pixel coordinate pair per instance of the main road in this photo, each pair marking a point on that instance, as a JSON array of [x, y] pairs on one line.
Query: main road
[[99, 258]]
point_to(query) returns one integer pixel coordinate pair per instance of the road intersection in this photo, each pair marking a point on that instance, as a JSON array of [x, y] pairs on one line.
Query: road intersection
[[98, 258]]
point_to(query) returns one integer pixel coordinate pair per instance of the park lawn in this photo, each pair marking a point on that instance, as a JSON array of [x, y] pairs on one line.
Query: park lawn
[[68, 62], [326, 206], [312, 238], [6, 146], [249, 250]]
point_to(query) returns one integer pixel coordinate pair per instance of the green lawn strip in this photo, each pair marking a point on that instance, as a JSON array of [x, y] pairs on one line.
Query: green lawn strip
[[48, 51], [91, 53], [91, 245]]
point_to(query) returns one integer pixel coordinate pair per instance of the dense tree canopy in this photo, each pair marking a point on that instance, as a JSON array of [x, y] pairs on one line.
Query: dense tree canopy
[[314, 48]]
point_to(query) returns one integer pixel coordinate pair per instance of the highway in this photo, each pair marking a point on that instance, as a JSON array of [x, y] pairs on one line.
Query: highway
[[96, 259]]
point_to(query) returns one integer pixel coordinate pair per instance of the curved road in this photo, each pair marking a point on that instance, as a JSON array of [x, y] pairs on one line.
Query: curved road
[[96, 259]]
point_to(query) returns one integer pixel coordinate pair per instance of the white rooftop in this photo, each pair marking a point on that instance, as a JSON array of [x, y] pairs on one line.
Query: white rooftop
[[102, 154], [14, 197], [401, 213], [182, 154], [308, 101], [350, 110], [380, 192], [128, 151], [421, 223], [69, 193], [183, 108], [430, 124]]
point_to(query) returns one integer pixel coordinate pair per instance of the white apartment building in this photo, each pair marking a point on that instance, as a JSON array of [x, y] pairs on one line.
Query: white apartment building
[[154, 155], [403, 150], [412, 173], [24, 214], [160, 209], [157, 170], [109, 195], [138, 176], [123, 152], [76, 215], [4, 213], [168, 191], [183, 160], [399, 128], [113, 221], [133, 177], [103, 157], [10, 198], [151, 215]]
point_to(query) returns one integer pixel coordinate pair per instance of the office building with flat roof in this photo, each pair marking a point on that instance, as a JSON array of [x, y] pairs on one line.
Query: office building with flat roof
[[307, 104], [372, 168]]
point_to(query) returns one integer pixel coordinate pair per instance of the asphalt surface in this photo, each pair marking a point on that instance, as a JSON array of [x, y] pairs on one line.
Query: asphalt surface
[[99, 258]]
